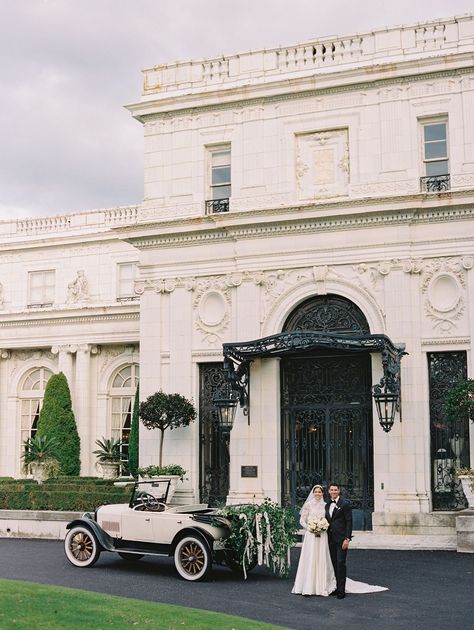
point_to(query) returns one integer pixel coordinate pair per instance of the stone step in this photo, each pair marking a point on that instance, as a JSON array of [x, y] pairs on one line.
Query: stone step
[[371, 540]]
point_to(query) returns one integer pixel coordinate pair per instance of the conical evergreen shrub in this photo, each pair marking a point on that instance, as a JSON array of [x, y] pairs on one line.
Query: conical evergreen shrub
[[133, 437], [57, 420]]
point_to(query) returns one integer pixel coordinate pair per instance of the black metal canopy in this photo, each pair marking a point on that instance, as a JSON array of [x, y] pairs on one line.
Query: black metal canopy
[[239, 355], [301, 341]]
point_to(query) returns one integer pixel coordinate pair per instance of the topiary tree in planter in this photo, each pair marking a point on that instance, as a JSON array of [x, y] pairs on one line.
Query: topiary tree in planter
[[134, 436], [166, 411], [57, 421]]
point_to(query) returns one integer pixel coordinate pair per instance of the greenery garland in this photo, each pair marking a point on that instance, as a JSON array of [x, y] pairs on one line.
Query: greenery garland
[[262, 534], [460, 401]]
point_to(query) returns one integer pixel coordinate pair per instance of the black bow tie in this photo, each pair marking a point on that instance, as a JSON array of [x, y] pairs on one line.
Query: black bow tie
[[333, 501]]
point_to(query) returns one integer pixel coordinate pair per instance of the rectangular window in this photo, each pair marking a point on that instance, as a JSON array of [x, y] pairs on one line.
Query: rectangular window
[[126, 275], [435, 149], [219, 179], [41, 286]]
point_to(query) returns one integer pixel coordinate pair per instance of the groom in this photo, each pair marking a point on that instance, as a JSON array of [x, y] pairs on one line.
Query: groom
[[339, 515]]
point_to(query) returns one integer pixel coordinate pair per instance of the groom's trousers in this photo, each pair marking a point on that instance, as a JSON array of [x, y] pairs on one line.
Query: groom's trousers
[[338, 559]]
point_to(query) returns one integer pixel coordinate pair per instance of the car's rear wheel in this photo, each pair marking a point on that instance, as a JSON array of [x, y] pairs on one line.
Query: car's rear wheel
[[81, 547], [192, 558], [131, 557]]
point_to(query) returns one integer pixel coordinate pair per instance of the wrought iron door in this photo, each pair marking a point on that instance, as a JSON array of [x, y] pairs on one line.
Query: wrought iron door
[[214, 444], [449, 440], [327, 429]]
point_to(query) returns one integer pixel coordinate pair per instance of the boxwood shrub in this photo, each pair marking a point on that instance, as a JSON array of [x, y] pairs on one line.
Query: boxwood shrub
[[59, 495]]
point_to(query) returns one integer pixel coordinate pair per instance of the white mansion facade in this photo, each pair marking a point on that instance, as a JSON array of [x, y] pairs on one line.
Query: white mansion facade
[[320, 195]]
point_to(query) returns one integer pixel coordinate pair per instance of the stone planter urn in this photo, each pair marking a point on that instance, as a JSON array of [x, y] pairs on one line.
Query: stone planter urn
[[467, 482], [109, 470], [39, 472]]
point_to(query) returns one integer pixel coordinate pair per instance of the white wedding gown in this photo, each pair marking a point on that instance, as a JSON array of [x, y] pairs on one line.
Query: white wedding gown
[[315, 574]]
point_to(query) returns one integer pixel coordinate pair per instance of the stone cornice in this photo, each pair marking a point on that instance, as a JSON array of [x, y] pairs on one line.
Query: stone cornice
[[55, 318], [292, 92], [297, 225]]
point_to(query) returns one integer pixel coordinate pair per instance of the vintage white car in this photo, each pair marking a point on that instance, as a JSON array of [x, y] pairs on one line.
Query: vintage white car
[[194, 534]]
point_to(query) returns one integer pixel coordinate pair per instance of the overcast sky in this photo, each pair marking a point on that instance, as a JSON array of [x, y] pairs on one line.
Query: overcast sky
[[67, 67]]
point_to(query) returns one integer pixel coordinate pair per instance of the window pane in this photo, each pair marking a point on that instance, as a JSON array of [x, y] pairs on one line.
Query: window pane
[[221, 175], [122, 377], [435, 150], [437, 168], [220, 158], [221, 192], [435, 132]]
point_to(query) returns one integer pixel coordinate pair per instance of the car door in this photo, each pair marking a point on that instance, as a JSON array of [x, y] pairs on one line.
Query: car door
[[137, 525], [166, 525]]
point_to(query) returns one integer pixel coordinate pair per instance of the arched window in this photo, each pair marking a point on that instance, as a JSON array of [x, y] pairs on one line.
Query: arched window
[[122, 396], [31, 400]]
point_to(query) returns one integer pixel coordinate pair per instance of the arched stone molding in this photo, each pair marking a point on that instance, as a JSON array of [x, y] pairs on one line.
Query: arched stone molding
[[107, 373], [283, 305], [30, 364]]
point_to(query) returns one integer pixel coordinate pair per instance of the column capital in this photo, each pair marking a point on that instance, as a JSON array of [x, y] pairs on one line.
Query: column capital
[[5, 354]]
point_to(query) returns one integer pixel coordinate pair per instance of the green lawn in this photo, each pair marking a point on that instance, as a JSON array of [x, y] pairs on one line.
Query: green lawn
[[29, 606]]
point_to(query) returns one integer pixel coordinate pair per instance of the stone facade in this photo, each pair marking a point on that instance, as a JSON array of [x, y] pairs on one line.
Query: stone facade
[[329, 155], [62, 311]]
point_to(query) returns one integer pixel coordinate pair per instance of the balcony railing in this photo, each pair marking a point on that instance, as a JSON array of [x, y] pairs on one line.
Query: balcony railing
[[214, 206], [435, 183]]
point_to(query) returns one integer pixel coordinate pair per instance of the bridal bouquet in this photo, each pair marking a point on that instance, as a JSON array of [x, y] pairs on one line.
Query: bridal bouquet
[[318, 526]]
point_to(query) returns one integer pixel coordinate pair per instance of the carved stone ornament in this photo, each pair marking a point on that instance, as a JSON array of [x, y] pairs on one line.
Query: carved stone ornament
[[78, 289], [322, 164], [443, 283], [275, 284], [212, 303]]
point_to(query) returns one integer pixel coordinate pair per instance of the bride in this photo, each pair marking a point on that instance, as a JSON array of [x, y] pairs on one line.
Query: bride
[[315, 574]]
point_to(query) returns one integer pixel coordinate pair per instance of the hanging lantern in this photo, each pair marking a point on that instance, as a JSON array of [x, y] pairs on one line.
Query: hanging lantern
[[226, 400], [386, 403]]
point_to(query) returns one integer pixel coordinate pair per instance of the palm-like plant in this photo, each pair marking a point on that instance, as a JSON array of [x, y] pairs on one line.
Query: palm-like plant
[[109, 450], [38, 449]]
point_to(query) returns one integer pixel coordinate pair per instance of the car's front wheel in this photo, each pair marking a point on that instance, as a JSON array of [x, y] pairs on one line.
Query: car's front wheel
[[81, 547], [192, 558]]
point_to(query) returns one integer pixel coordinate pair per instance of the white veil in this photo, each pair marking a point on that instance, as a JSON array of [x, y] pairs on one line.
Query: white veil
[[310, 499]]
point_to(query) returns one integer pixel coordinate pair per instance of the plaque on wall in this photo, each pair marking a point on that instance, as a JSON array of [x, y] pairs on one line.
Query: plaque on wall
[[249, 471]]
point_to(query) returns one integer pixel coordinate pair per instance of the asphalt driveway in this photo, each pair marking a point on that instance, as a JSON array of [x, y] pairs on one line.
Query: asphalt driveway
[[428, 590]]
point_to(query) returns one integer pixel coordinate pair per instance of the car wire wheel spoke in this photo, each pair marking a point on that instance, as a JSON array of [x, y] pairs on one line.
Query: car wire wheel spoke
[[82, 546], [192, 558]]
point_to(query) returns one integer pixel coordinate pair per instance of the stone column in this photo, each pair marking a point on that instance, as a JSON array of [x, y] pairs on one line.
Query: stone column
[[65, 362], [407, 481], [82, 406], [7, 427], [151, 340], [246, 448]]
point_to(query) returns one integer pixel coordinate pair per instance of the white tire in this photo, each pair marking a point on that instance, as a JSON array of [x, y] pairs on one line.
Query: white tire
[[81, 547], [192, 558]]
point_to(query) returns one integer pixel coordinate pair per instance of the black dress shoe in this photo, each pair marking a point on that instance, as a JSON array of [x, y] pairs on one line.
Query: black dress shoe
[[341, 595], [333, 594]]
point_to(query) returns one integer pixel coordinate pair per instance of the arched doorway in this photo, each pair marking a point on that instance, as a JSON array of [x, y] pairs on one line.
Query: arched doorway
[[326, 409]]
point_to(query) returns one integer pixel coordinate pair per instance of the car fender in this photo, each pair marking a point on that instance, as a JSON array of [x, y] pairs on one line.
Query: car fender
[[196, 531], [105, 541]]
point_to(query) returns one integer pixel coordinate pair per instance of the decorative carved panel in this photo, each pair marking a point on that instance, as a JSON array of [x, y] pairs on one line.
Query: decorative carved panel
[[322, 164]]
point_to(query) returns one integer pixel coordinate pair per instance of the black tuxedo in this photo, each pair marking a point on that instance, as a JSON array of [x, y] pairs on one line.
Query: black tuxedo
[[340, 528]]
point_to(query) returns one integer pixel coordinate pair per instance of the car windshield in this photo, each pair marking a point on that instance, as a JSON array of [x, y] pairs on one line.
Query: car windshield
[[156, 488]]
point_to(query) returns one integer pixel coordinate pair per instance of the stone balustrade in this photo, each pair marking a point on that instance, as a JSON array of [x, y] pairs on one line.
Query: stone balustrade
[[405, 42], [69, 223]]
